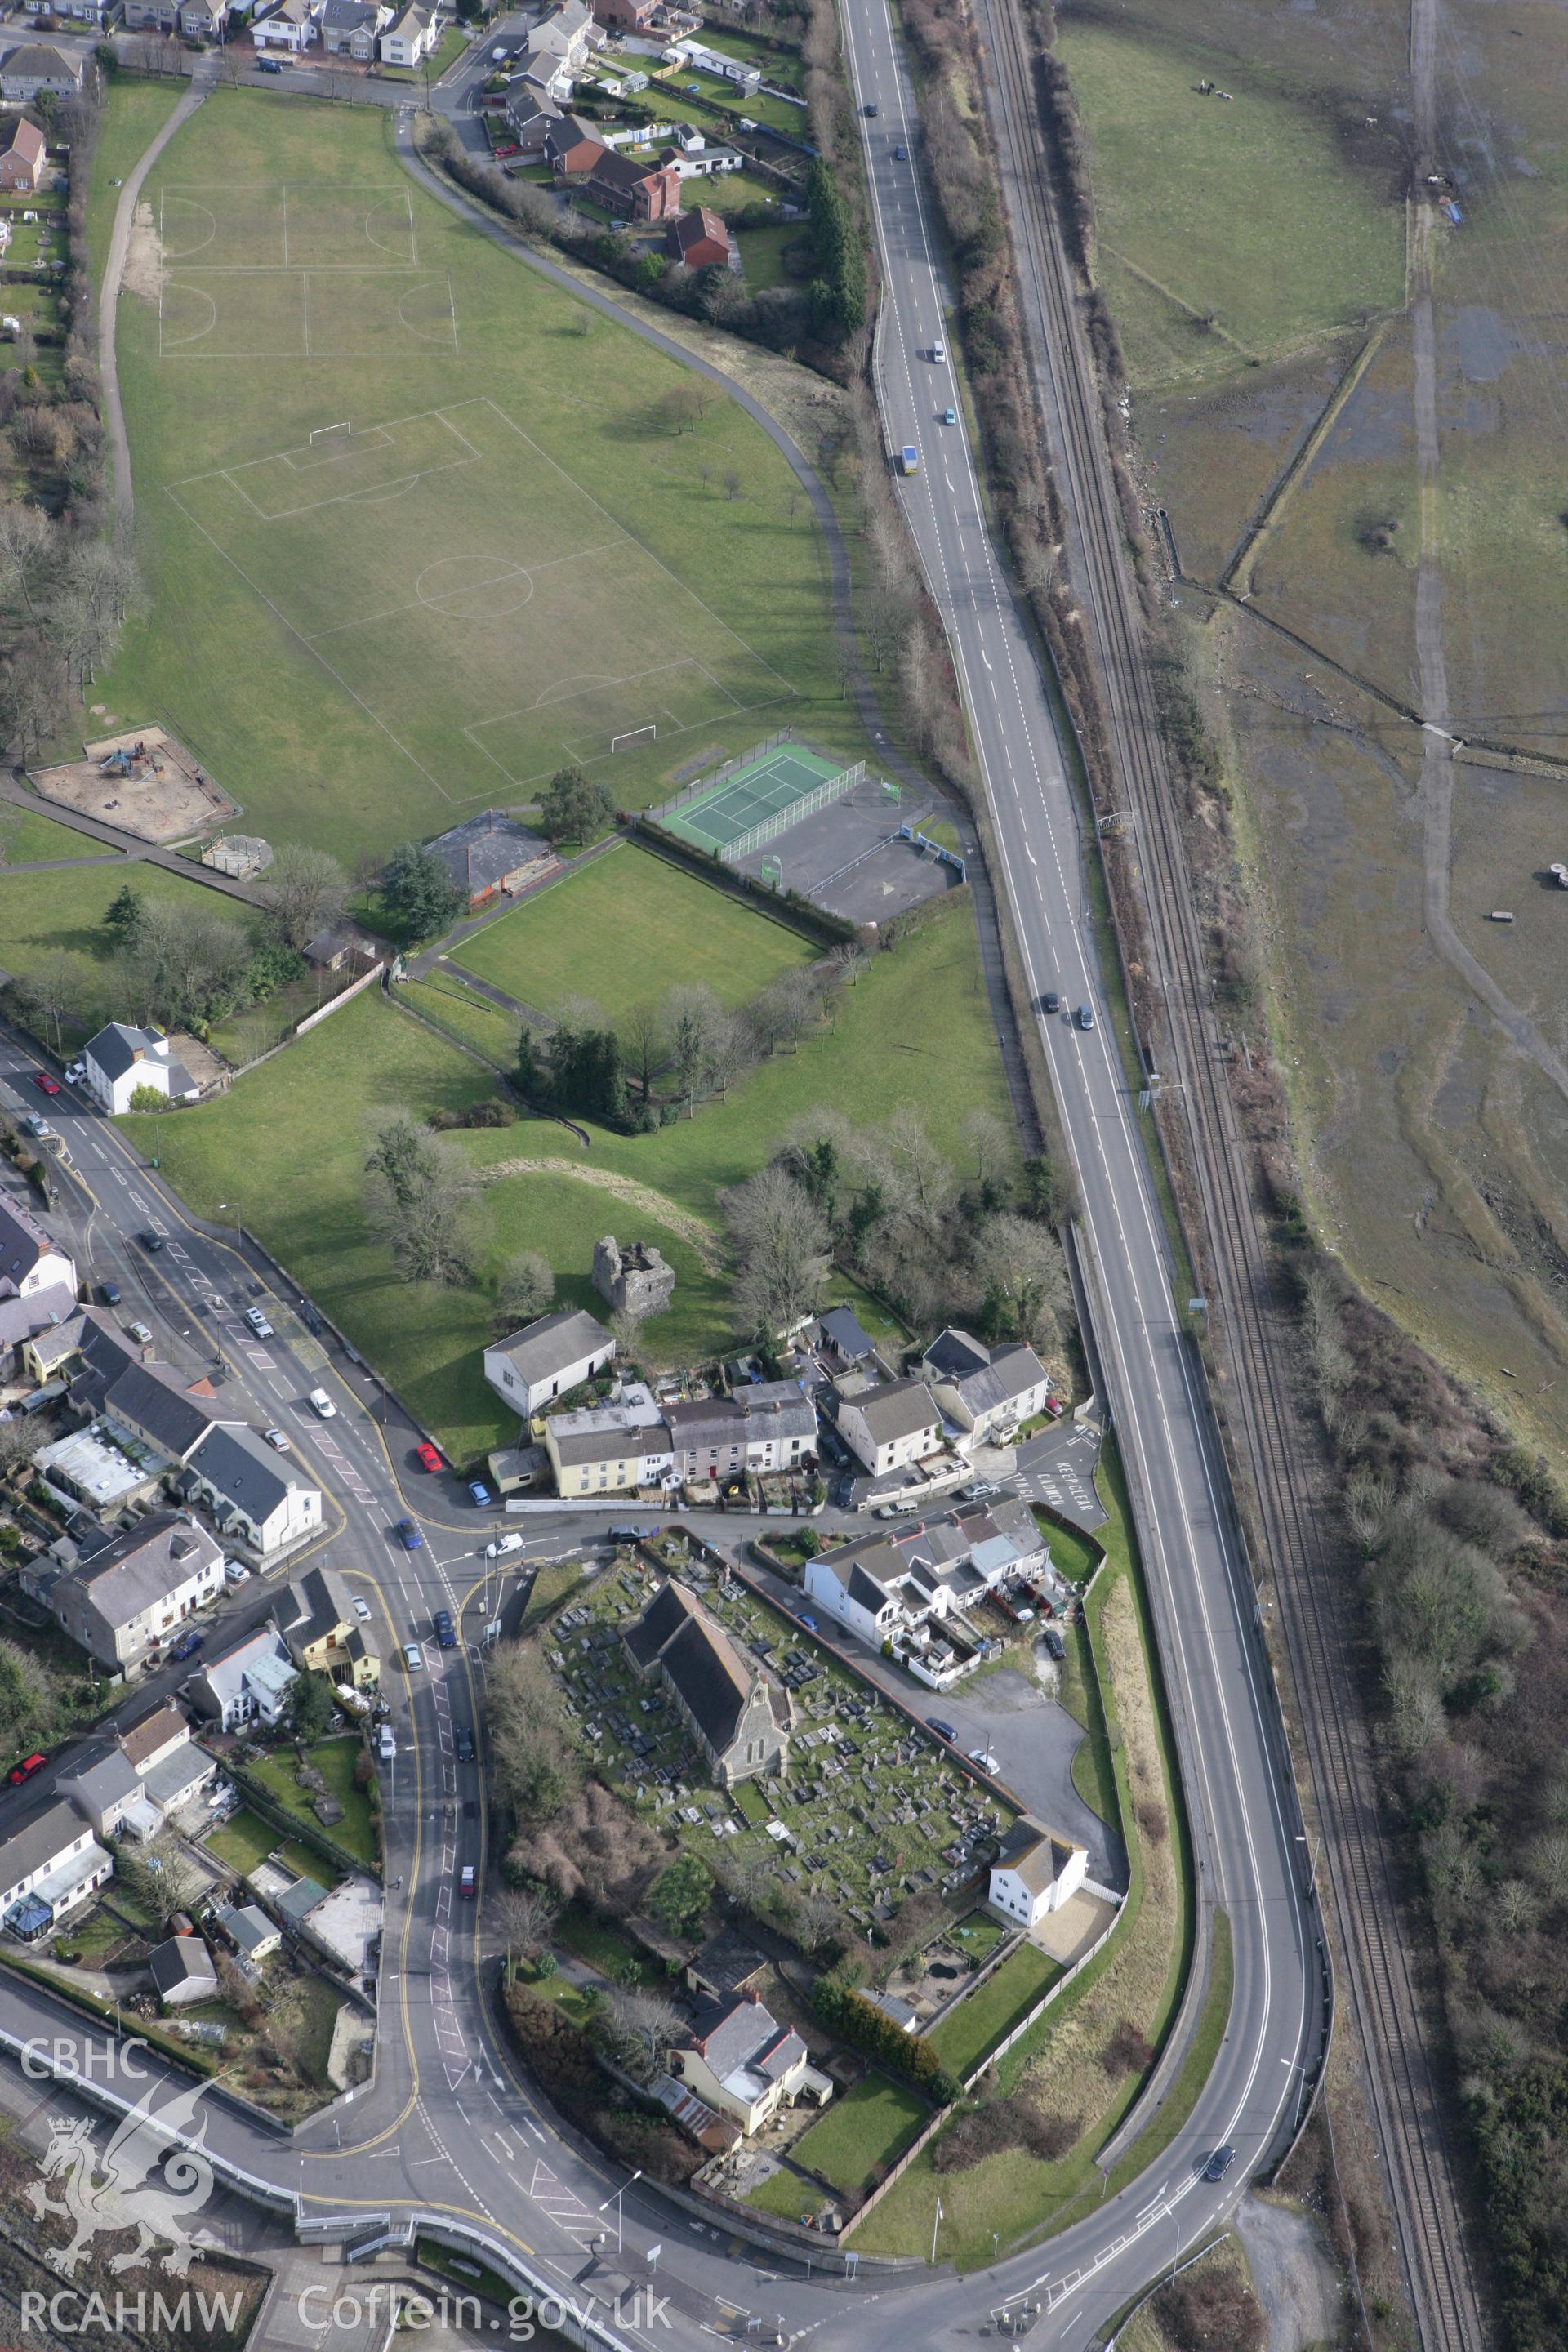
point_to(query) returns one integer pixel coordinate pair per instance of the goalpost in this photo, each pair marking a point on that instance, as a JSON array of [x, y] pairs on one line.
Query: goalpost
[[330, 433]]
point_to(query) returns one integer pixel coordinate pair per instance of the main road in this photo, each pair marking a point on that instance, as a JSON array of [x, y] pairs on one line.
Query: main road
[[1251, 1854]]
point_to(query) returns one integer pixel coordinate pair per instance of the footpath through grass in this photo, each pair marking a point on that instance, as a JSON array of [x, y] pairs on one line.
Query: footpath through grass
[[134, 111], [916, 1029]]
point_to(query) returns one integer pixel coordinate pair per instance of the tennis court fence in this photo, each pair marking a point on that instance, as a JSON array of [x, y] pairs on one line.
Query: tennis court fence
[[698, 812]]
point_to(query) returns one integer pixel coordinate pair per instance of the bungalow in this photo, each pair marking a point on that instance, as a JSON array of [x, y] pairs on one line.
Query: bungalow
[[697, 54], [128, 1595], [247, 1926], [22, 155], [693, 159], [988, 1392], [121, 1060], [47, 1868], [288, 25], [350, 29], [1036, 1872], [35, 67], [842, 1339], [255, 1496], [248, 1683], [411, 36], [890, 1426], [741, 2060], [181, 1972], [642, 192], [606, 1451], [491, 855], [697, 240], [737, 1715], [547, 1359]]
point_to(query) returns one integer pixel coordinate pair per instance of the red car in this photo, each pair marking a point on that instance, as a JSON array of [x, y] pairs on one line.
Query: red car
[[44, 1083], [25, 1769], [427, 1458]]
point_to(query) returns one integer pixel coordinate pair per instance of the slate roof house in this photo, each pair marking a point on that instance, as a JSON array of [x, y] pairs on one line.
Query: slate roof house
[[988, 1392], [248, 1683], [37, 1282], [34, 65], [571, 146], [606, 1451], [324, 1633], [255, 1496], [1036, 1872], [737, 1715], [120, 1060], [742, 2061], [893, 1583], [104, 1785], [491, 854], [890, 1426], [137, 1588], [349, 27], [548, 1358], [49, 1866]]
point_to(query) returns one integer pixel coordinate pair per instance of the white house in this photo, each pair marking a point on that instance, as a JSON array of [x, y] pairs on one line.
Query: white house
[[893, 1583], [890, 1426], [256, 1497], [547, 1359], [120, 1059], [986, 1392], [410, 36], [35, 66], [31, 1259], [246, 1684], [288, 25], [121, 1600], [48, 1868], [702, 59], [104, 1786], [1036, 1872]]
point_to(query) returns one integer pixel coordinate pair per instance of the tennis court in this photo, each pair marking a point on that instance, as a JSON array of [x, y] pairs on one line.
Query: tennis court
[[756, 798]]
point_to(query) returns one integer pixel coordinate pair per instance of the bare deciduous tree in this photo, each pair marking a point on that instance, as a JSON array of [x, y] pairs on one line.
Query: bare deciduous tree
[[781, 1247], [305, 890], [527, 1289]]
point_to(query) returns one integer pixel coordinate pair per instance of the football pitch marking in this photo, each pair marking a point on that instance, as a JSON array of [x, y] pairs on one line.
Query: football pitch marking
[[243, 210], [498, 585]]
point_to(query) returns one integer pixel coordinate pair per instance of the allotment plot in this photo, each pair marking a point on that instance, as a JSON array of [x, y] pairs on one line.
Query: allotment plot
[[471, 597]]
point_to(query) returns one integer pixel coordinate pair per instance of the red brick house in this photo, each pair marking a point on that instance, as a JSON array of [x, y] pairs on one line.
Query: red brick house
[[699, 241], [571, 147], [642, 192], [22, 155], [625, 16]]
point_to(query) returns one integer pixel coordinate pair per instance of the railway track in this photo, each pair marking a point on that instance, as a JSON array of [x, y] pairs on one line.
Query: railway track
[[1317, 1624]]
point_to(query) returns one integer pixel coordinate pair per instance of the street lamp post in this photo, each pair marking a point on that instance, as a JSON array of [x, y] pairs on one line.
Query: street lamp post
[[616, 2201]]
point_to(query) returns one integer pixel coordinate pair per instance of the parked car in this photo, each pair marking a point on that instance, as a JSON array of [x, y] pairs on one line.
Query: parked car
[[321, 1405], [1054, 1644], [1084, 1016], [362, 1609], [463, 1743], [408, 1535], [501, 1545], [479, 1492], [186, 1647], [25, 1769], [76, 1073], [259, 1323], [386, 1745], [278, 1439], [44, 1083], [234, 1572], [809, 1622], [412, 1656], [36, 1125], [267, 65], [427, 1458], [468, 1883], [109, 1293], [445, 1632], [1219, 2164], [943, 1730], [140, 1333], [150, 1242]]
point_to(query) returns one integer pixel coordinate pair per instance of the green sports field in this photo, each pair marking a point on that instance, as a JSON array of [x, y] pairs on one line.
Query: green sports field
[[624, 929], [415, 538]]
